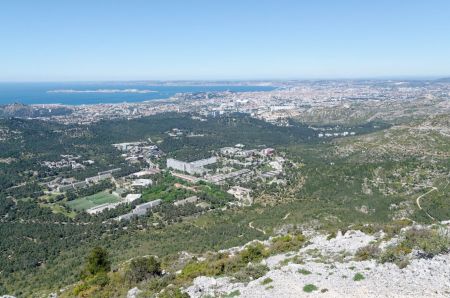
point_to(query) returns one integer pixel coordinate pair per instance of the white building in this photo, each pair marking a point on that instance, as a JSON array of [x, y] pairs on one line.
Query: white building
[[132, 197], [101, 208], [195, 167], [140, 210], [142, 182], [147, 172], [98, 178], [276, 165], [229, 150], [125, 146], [204, 162], [176, 164]]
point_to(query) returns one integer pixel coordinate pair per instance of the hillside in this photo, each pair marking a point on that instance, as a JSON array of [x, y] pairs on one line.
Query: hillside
[[403, 260], [370, 181], [350, 265]]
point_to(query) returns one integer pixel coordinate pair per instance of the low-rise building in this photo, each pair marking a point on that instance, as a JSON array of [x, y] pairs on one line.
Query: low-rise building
[[246, 153], [276, 165], [242, 194], [98, 178], [142, 182], [194, 167], [146, 172], [229, 150], [132, 197], [72, 186], [219, 178], [192, 199], [102, 207], [109, 171], [140, 210]]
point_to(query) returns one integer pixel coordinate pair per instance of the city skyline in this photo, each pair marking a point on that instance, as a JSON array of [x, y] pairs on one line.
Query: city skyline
[[236, 40]]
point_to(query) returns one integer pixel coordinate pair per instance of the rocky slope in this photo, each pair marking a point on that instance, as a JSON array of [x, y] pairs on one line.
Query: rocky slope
[[328, 268]]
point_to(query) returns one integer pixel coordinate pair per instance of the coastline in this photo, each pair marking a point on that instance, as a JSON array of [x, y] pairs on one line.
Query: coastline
[[89, 94]]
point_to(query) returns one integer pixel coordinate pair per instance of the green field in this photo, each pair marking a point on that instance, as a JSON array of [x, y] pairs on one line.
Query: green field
[[92, 201]]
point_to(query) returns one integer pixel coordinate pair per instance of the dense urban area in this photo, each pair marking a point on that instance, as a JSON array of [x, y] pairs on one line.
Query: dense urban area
[[312, 187]]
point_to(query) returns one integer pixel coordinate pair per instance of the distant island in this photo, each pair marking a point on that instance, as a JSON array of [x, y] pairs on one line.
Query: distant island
[[138, 91]]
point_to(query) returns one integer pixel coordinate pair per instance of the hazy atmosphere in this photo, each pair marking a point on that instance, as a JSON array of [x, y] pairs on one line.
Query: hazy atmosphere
[[166, 40]]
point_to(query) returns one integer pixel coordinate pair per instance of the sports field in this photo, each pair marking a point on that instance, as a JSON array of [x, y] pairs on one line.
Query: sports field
[[92, 201]]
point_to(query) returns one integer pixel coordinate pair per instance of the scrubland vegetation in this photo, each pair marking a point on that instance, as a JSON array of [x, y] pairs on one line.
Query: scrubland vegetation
[[368, 182]]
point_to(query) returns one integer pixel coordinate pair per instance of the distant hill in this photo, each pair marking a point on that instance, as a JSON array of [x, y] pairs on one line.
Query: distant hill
[[444, 80], [27, 111]]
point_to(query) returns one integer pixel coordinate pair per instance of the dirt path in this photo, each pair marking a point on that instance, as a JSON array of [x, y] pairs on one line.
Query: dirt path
[[250, 225], [421, 196]]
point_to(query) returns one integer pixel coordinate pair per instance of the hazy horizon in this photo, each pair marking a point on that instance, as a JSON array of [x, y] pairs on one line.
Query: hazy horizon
[[54, 41], [230, 80]]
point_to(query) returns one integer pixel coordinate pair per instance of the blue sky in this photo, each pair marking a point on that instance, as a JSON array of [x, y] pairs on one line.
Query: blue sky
[[230, 39]]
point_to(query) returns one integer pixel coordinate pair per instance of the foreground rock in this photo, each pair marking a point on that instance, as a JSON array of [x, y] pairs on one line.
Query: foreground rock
[[133, 293], [329, 268]]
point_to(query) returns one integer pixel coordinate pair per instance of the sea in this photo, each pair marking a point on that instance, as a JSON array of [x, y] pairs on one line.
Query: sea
[[94, 93]]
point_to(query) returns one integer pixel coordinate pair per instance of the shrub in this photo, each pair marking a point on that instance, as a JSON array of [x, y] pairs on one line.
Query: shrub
[[143, 268], [251, 272], [215, 265], [156, 284], [266, 281], [402, 263], [194, 269], [369, 229], [97, 261], [294, 260], [304, 271], [172, 292], [235, 293], [396, 226], [391, 229], [358, 277], [92, 284], [370, 251], [309, 288], [287, 243], [395, 254], [79, 288], [253, 253], [431, 242], [100, 279], [332, 235]]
